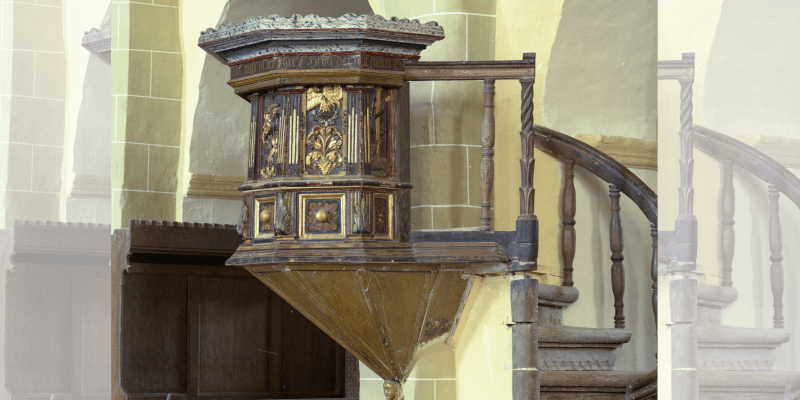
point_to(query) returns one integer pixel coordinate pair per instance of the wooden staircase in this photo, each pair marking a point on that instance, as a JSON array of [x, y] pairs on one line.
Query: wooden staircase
[[569, 348]]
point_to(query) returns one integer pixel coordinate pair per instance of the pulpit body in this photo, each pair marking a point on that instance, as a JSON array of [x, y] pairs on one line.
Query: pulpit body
[[326, 214]]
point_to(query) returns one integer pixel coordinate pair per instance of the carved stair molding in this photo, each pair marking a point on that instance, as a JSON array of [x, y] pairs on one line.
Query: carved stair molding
[[567, 348], [91, 186], [215, 186], [601, 385], [747, 385], [738, 349], [580, 349], [630, 152]]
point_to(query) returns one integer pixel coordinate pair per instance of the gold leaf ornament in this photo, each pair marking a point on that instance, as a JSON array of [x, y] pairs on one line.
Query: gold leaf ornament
[[268, 136], [326, 143], [327, 99]]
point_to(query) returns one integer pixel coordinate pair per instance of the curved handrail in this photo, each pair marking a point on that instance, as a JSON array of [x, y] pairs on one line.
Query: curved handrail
[[721, 146], [600, 164]]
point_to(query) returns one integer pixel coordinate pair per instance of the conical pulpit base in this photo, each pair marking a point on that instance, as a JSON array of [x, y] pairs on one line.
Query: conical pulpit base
[[379, 311]]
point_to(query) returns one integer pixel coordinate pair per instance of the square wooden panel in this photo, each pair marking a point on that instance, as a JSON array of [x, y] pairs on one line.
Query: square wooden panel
[[264, 229], [383, 215], [322, 216]]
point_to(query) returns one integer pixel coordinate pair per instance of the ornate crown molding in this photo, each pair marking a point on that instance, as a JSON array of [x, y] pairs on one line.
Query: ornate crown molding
[[233, 43], [98, 41]]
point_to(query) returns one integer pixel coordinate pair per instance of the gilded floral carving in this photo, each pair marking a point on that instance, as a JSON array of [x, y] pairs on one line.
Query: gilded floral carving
[[325, 143]]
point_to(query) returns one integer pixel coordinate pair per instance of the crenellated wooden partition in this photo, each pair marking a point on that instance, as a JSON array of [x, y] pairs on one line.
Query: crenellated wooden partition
[[184, 324], [56, 315]]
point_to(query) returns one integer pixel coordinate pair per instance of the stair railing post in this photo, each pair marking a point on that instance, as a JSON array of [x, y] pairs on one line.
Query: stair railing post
[[677, 367], [568, 230], [727, 235], [527, 233], [654, 272], [617, 270], [487, 154], [525, 292], [775, 247]]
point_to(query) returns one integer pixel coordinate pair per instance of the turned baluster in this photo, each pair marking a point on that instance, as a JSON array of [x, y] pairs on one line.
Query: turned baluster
[[728, 235], [654, 271], [775, 247], [487, 154], [568, 212], [617, 270]]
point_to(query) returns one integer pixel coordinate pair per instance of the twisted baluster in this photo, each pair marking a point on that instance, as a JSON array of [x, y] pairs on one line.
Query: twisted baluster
[[728, 235], [568, 212], [775, 247], [527, 232], [617, 270], [527, 161], [686, 161]]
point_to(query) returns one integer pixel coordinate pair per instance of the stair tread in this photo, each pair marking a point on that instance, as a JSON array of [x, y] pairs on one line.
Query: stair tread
[[578, 335], [604, 379], [737, 335], [748, 378], [719, 296], [557, 295]]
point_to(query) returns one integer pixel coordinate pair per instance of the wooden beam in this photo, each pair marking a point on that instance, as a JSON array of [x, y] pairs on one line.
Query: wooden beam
[[469, 70]]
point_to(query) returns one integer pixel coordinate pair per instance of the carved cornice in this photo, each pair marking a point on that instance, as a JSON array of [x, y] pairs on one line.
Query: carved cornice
[[784, 150], [98, 41], [233, 43], [215, 186], [630, 152], [91, 186]]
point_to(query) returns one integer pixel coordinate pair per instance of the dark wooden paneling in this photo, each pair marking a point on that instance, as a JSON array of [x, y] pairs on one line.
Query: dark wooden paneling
[[37, 316], [312, 364], [204, 329], [154, 341], [232, 336]]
